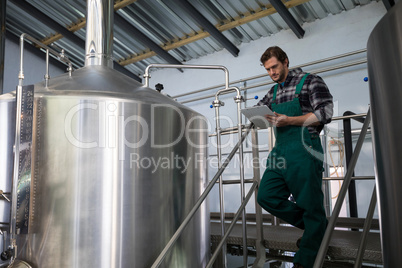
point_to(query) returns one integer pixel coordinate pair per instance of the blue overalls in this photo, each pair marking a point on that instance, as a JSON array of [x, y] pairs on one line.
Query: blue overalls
[[299, 174]]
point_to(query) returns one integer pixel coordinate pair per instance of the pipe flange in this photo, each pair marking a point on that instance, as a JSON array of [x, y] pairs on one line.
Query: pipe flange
[[238, 99], [218, 103]]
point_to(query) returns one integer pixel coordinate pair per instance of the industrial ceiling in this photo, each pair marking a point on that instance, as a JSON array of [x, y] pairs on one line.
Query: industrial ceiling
[[167, 31]]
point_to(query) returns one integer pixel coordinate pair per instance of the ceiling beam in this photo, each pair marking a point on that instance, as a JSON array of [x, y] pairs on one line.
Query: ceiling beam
[[45, 19], [40, 16], [209, 27], [129, 29], [288, 18], [388, 4], [226, 25]]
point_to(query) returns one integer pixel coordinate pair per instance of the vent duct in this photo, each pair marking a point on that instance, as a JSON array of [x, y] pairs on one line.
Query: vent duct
[[99, 34]]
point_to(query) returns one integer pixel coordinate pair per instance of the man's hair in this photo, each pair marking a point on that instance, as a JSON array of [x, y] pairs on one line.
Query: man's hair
[[274, 52]]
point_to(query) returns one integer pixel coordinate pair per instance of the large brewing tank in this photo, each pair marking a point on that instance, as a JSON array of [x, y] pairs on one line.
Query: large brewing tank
[[384, 54], [116, 169]]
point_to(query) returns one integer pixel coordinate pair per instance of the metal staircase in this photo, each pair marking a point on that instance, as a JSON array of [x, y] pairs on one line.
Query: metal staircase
[[267, 238], [340, 248]]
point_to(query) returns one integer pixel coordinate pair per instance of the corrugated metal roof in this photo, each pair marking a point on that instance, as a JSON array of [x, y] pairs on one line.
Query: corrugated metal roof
[[167, 24]]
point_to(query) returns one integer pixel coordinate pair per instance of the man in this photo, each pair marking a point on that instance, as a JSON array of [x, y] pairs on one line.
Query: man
[[302, 104]]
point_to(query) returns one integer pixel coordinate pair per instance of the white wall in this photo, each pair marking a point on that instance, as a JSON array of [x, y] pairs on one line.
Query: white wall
[[334, 35]]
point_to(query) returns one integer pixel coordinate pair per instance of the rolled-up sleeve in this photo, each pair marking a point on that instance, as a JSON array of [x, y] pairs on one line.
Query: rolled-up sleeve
[[321, 100]]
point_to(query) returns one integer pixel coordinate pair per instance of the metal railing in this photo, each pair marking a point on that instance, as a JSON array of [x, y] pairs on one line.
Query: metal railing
[[60, 56], [256, 85], [335, 213]]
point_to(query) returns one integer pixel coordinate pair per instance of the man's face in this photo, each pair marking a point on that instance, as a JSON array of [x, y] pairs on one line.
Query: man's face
[[277, 70]]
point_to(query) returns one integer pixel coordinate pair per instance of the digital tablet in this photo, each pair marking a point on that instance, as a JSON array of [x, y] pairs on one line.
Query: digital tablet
[[257, 114]]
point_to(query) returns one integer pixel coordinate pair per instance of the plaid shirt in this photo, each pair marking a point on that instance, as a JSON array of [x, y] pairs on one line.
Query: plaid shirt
[[314, 97]]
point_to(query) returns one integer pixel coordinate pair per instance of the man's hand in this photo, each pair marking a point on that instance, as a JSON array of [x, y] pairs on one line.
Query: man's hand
[[278, 120], [282, 120]]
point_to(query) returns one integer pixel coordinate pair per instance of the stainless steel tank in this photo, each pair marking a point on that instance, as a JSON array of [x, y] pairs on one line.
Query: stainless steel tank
[[384, 53], [117, 167]]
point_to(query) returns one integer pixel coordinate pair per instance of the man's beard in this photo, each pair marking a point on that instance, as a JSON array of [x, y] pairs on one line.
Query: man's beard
[[281, 77]]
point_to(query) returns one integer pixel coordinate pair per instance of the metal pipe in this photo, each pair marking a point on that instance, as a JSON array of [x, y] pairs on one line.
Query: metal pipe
[[47, 76], [238, 100], [231, 130], [13, 220], [211, 184], [217, 104], [186, 66], [271, 82], [348, 116], [353, 178], [259, 242], [325, 184], [366, 229], [335, 213], [59, 56], [265, 75], [3, 13], [236, 217], [237, 181], [347, 135], [99, 33]]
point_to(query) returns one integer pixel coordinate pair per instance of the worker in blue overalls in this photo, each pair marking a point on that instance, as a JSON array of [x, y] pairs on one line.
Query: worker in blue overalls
[[302, 104]]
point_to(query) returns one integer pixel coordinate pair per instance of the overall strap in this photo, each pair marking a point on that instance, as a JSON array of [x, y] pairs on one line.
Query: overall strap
[[299, 86], [275, 89]]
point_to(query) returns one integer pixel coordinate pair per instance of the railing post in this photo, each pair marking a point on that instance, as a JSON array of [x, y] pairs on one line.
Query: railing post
[[259, 242], [222, 257], [347, 130], [366, 229]]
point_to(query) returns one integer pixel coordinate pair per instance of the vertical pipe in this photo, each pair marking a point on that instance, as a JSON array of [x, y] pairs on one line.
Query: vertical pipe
[[217, 104], [21, 73], [13, 218], [47, 76], [366, 229], [260, 248], [238, 100], [347, 130], [99, 34], [2, 41], [326, 188]]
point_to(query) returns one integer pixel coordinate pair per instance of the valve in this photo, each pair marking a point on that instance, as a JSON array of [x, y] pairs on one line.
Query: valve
[[4, 196], [159, 87], [7, 254]]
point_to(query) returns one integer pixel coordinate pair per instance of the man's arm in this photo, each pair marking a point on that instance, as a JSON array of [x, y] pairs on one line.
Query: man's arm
[[281, 120]]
